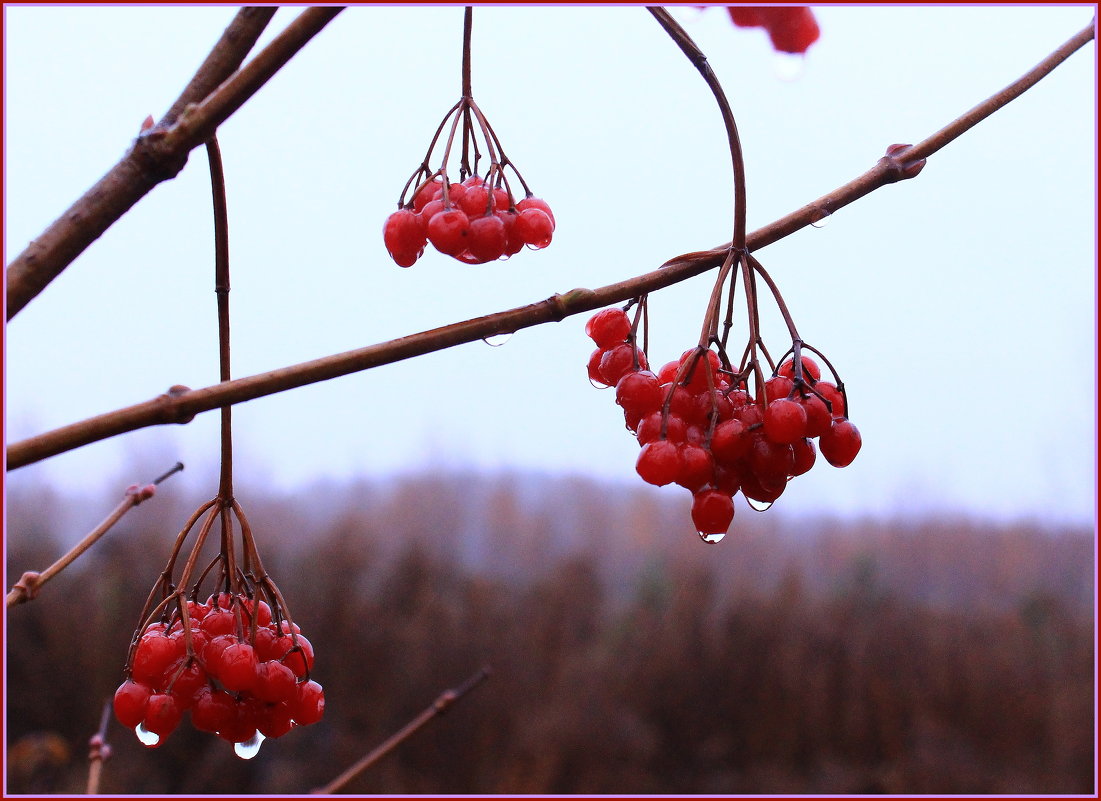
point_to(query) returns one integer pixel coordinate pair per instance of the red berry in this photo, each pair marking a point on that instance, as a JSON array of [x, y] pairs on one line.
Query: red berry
[[155, 652], [427, 192], [449, 231], [712, 511], [794, 30], [404, 235], [309, 704], [275, 682], [213, 710], [659, 462], [608, 327], [730, 441], [487, 237], [513, 243], [273, 720], [639, 392], [753, 489], [237, 667], [594, 367], [785, 421], [162, 714], [771, 462], [131, 699], [183, 679], [811, 372], [833, 396], [297, 653], [818, 416], [697, 467], [841, 443], [778, 387], [534, 227], [649, 428], [536, 203], [619, 361], [804, 456]]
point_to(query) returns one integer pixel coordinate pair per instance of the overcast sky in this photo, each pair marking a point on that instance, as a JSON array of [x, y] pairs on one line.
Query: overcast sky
[[959, 307]]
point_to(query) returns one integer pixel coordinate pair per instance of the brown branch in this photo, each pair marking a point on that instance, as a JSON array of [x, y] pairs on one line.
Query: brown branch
[[99, 751], [180, 404], [158, 155], [225, 59], [28, 586], [439, 706]]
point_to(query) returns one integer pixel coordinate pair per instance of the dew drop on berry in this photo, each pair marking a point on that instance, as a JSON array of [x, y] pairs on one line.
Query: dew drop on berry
[[250, 747], [711, 538], [497, 340], [147, 738], [789, 66], [758, 506]]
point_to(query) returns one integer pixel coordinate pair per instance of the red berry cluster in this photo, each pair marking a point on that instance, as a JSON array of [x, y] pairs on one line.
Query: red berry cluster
[[240, 675], [471, 221], [792, 29], [703, 430]]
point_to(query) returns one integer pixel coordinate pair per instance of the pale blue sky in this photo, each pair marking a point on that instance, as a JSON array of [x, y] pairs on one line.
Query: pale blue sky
[[959, 307]]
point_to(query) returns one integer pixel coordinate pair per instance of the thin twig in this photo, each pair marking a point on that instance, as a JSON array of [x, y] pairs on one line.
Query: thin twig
[[99, 751], [157, 155], [438, 707], [180, 405], [28, 586]]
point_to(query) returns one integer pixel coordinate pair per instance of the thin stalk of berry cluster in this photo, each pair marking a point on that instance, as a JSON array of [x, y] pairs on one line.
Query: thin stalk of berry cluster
[[157, 156], [761, 271], [468, 24], [442, 704], [182, 406], [699, 61], [99, 751], [221, 291], [31, 582]]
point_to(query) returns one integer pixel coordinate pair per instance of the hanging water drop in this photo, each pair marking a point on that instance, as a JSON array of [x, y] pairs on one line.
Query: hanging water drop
[[497, 340], [147, 738], [711, 538], [789, 66], [250, 747], [823, 218], [759, 506]]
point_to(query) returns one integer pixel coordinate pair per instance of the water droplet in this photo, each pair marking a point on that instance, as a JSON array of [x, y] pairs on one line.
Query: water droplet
[[760, 506], [250, 747], [711, 538], [789, 66], [823, 220], [497, 340], [147, 738]]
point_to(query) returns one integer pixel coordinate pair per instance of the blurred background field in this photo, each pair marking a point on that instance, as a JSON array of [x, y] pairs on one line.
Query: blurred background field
[[800, 655]]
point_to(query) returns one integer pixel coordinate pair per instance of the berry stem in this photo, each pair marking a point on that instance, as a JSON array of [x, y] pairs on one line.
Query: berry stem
[[468, 24], [221, 290], [699, 61], [760, 270]]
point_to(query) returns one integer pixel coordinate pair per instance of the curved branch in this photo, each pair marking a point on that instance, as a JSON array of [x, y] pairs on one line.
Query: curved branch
[[180, 405], [158, 155]]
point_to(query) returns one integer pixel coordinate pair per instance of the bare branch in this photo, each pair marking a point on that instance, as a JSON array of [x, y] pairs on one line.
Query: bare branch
[[99, 751], [28, 586], [157, 155], [180, 404], [224, 59], [438, 707]]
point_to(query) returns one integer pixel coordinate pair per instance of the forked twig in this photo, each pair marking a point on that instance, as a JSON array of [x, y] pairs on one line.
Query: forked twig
[[99, 751], [28, 586], [438, 707]]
